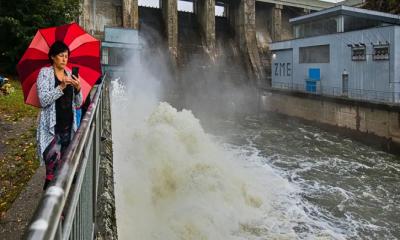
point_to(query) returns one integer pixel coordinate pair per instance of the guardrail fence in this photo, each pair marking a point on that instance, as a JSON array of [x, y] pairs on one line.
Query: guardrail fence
[[351, 93], [67, 209]]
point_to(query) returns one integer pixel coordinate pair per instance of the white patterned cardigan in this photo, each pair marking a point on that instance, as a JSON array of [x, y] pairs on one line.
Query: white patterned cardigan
[[48, 94]]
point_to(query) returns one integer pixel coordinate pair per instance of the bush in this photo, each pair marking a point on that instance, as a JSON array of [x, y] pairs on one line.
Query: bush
[[390, 6], [20, 19]]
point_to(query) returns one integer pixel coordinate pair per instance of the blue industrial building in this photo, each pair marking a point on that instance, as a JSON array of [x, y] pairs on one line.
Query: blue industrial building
[[341, 51]]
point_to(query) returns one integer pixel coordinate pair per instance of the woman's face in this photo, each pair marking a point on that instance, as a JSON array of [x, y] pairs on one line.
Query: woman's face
[[60, 60]]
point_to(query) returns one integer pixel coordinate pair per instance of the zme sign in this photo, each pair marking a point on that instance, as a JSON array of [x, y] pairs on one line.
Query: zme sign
[[283, 69]]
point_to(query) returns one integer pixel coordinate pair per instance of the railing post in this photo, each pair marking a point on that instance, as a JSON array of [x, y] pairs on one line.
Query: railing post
[[59, 231], [73, 195]]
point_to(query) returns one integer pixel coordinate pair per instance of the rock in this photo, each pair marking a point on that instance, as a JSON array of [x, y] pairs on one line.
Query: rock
[[3, 80], [7, 89]]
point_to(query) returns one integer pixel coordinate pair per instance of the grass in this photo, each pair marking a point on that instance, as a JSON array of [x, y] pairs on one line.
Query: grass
[[13, 106], [18, 161]]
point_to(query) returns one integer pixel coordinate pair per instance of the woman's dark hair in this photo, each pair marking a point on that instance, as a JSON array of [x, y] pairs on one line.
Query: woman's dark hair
[[57, 48]]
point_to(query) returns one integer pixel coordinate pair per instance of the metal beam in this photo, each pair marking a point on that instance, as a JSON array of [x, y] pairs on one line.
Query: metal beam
[[349, 11], [306, 4], [354, 3], [314, 4]]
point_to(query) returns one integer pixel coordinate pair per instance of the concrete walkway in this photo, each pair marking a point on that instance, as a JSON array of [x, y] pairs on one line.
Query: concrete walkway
[[13, 225]]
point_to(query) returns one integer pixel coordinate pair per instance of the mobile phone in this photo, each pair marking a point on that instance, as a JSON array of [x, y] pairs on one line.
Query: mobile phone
[[75, 71]]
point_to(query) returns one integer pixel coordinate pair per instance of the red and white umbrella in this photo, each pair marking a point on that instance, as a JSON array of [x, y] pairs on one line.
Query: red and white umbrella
[[84, 53]]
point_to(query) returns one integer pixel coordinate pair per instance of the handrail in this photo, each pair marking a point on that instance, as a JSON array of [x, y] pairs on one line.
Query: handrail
[[46, 223], [340, 92]]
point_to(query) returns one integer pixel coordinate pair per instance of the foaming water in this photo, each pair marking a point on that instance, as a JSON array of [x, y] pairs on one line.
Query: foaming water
[[174, 181], [255, 179], [345, 187]]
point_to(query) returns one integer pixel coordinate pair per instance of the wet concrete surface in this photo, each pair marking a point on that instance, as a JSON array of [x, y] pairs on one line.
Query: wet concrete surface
[[15, 221]]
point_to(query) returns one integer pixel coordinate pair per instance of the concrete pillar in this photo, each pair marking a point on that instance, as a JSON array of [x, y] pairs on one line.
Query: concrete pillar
[[130, 14], [205, 12], [86, 19], [233, 19], [242, 19], [169, 9], [98, 14], [340, 24], [276, 22]]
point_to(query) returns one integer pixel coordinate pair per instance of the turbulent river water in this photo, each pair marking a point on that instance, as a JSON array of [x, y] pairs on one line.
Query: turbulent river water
[[257, 177]]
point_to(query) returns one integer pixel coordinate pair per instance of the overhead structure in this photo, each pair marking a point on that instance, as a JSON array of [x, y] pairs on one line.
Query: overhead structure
[[341, 51], [312, 4]]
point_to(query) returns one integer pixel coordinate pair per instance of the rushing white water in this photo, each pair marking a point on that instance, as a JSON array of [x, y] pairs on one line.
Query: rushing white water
[[174, 181], [347, 188], [259, 179]]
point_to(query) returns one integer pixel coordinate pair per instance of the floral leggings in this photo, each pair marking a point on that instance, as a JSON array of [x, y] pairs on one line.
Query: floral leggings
[[52, 155]]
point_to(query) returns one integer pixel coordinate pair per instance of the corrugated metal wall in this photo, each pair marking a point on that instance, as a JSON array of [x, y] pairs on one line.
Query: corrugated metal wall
[[373, 75]]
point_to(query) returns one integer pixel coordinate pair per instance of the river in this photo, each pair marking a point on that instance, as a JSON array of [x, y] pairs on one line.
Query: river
[[253, 177], [345, 188]]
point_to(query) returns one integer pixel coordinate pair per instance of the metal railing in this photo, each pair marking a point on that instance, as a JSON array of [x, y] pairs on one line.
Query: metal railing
[[351, 93], [67, 208]]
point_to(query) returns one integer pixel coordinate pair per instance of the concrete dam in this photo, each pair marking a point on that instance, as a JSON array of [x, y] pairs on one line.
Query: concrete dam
[[249, 25]]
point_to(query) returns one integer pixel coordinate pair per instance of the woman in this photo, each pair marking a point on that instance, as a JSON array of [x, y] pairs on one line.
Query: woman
[[59, 94]]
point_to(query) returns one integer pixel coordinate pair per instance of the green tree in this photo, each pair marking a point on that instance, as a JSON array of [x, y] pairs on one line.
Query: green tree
[[390, 6], [20, 19]]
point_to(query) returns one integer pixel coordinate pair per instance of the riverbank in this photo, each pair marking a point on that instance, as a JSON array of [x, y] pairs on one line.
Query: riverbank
[[376, 124]]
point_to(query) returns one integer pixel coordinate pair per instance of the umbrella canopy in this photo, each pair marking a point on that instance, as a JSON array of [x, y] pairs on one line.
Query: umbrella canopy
[[84, 53]]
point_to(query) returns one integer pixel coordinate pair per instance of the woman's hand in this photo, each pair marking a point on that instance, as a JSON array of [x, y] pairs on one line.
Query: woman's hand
[[76, 82], [65, 81]]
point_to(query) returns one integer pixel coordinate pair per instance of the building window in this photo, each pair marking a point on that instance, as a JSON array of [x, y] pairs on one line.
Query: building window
[[115, 56], [219, 11], [316, 28], [150, 3], [358, 53], [184, 6], [104, 59], [381, 52], [314, 54]]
